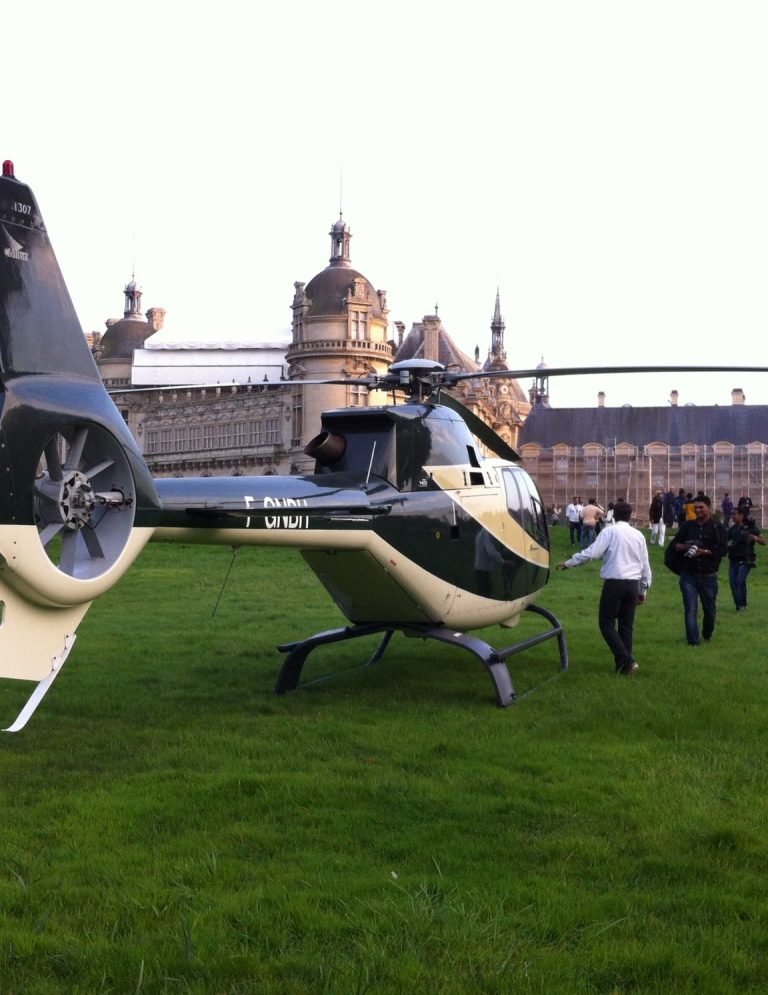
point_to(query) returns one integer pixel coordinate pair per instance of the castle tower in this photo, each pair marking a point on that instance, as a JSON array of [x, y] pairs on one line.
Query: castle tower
[[339, 330], [123, 335]]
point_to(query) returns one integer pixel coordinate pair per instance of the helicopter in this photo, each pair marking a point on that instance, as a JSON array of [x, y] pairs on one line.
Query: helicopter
[[418, 518]]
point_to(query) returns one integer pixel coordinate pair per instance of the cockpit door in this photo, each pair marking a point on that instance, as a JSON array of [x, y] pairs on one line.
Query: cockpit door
[[526, 509]]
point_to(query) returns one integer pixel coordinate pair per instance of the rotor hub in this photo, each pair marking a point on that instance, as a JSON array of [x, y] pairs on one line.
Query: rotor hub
[[76, 500]]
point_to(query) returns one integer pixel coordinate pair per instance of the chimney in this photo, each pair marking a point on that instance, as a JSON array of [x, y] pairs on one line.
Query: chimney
[[400, 326], [673, 398], [156, 318], [601, 399], [431, 336], [737, 396]]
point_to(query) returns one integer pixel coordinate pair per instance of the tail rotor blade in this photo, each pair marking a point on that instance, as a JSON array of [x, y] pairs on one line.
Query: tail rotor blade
[[76, 449], [68, 561], [92, 543], [50, 532], [52, 459]]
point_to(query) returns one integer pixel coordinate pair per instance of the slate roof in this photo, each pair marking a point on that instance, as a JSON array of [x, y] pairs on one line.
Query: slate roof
[[673, 425], [449, 353]]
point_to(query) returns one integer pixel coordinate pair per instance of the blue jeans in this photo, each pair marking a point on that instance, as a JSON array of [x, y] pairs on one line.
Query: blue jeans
[[695, 587], [587, 535], [737, 576]]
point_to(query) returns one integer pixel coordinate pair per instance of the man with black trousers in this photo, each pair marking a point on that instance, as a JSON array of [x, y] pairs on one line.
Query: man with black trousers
[[700, 544], [626, 575]]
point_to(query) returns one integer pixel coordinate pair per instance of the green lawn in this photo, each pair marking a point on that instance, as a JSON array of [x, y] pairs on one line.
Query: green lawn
[[169, 825]]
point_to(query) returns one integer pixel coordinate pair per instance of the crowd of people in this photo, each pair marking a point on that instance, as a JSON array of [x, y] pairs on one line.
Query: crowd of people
[[702, 539]]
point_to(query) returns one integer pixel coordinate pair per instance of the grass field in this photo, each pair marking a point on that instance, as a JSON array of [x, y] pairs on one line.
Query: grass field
[[170, 826]]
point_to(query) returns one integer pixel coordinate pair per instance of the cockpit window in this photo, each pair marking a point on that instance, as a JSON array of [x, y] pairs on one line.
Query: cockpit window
[[524, 505]]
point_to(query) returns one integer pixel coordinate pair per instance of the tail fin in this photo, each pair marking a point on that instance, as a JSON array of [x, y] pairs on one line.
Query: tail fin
[[39, 329], [76, 499]]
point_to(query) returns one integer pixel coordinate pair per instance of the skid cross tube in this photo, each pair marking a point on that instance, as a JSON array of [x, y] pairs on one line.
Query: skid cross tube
[[493, 659]]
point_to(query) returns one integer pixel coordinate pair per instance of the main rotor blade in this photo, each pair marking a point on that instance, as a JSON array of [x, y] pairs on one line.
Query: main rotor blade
[[367, 381], [573, 371], [481, 429]]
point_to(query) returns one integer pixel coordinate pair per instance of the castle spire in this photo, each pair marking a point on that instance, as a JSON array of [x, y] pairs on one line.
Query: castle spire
[[497, 333], [340, 236]]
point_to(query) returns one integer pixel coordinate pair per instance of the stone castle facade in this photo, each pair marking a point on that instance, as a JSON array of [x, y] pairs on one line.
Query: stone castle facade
[[260, 422]]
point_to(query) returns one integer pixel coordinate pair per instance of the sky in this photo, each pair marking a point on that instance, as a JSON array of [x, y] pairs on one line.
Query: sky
[[604, 165]]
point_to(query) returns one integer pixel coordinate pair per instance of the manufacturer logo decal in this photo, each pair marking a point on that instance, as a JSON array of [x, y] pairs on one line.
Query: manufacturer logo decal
[[14, 249]]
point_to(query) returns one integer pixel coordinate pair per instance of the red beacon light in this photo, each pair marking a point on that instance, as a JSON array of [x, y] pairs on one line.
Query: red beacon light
[[8, 168]]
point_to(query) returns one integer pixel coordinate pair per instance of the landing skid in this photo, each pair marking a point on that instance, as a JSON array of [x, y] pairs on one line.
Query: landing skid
[[493, 659], [41, 689]]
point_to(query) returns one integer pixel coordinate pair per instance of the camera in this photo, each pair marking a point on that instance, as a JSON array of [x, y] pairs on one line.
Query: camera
[[691, 552]]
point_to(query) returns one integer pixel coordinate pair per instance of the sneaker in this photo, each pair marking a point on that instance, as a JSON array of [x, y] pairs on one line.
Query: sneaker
[[630, 670]]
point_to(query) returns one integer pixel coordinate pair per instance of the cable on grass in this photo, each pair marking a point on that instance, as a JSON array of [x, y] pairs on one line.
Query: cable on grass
[[226, 578]]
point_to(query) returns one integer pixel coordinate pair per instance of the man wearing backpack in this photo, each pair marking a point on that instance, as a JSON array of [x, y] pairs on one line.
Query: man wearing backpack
[[700, 546]]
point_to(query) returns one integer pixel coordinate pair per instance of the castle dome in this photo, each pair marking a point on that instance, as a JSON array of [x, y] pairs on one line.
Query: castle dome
[[123, 336], [328, 291]]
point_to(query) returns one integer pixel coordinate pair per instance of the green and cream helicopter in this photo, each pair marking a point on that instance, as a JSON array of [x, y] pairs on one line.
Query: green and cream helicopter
[[406, 523]]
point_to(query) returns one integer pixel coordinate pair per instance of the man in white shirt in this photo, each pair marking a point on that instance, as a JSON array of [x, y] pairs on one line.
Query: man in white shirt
[[573, 514], [626, 575]]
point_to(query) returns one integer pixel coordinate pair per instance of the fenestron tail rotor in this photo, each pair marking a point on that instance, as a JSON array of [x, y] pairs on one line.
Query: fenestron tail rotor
[[84, 499]]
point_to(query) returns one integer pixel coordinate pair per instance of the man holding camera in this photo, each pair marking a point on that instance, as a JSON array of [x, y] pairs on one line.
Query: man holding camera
[[701, 544]]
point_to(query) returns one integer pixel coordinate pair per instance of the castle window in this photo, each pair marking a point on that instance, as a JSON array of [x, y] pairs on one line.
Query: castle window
[[591, 471], [256, 433], [358, 325], [689, 472], [723, 471], [357, 397], [272, 431], [297, 415]]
